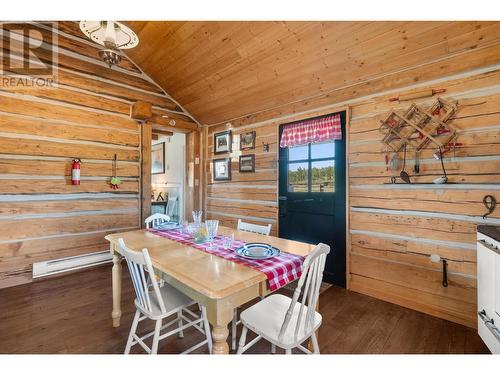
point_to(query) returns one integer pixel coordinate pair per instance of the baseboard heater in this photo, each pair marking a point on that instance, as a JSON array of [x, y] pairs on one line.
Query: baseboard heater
[[55, 266]]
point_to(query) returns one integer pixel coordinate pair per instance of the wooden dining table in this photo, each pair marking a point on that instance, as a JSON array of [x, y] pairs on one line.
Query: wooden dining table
[[218, 284]]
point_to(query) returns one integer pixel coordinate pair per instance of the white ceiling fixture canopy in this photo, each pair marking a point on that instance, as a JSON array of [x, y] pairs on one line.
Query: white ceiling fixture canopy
[[112, 35]]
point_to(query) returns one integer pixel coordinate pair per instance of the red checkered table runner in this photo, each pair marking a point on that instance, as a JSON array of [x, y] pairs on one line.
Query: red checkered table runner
[[280, 270]]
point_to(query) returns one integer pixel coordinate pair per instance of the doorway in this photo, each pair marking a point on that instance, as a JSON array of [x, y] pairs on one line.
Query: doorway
[[312, 199], [168, 168]]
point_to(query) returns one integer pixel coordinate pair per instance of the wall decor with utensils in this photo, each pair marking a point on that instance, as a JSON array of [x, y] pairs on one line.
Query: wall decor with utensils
[[418, 128]]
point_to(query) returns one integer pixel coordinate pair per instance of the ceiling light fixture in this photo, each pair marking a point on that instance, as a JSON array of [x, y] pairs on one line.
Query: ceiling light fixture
[[114, 36]]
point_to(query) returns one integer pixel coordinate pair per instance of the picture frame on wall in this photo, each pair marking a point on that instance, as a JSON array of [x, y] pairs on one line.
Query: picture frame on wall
[[247, 140], [158, 158], [222, 142], [247, 163], [222, 169]]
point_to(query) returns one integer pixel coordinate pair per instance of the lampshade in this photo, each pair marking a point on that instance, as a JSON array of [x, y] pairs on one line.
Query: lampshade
[[110, 34]]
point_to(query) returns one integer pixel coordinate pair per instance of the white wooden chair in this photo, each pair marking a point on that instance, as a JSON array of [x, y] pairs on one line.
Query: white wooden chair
[[159, 303], [156, 219], [284, 321], [254, 228]]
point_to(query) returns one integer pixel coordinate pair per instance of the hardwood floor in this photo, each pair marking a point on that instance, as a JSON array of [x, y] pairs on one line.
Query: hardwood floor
[[71, 314]]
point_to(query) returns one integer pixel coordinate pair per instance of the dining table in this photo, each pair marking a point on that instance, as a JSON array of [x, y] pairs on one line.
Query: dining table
[[219, 284]]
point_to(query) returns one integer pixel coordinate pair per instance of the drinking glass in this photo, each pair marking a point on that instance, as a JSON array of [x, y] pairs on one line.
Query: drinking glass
[[190, 229], [227, 241], [212, 226], [184, 226]]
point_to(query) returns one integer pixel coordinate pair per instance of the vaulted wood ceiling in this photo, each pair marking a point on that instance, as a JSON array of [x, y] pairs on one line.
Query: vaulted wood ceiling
[[223, 70]]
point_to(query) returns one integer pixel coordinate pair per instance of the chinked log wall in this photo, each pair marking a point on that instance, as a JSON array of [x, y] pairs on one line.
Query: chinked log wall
[[43, 216], [394, 228]]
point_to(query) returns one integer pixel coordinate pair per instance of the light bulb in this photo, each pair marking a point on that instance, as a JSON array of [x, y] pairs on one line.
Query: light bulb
[[110, 34]]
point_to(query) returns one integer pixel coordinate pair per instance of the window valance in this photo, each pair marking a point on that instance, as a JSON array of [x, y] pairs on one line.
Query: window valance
[[322, 129]]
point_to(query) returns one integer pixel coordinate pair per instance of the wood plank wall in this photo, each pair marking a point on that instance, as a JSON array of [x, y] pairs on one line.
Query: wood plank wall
[[43, 216], [249, 196], [393, 228]]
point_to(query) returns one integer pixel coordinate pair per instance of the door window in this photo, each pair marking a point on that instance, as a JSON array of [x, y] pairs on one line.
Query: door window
[[298, 177], [323, 176], [311, 168], [298, 153]]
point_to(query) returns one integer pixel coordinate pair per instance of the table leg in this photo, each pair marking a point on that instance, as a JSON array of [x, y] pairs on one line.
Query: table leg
[[117, 289], [219, 337], [220, 314]]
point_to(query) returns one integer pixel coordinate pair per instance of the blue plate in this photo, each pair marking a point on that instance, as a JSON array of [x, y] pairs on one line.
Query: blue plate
[[169, 225], [257, 251]]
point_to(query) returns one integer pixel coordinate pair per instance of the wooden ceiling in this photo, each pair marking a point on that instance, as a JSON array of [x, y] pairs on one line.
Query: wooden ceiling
[[224, 70], [164, 108]]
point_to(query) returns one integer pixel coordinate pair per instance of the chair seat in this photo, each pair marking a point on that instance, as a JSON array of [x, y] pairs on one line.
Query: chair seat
[[172, 298], [266, 317]]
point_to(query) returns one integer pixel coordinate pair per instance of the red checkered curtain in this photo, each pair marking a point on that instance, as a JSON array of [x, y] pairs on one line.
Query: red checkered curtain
[[322, 129]]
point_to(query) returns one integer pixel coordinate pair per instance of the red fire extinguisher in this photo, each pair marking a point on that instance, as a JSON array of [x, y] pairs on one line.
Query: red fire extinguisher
[[75, 172]]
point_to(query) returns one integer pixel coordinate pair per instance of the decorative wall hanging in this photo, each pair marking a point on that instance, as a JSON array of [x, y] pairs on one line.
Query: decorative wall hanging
[[247, 140], [115, 181], [417, 95], [158, 158], [435, 258], [247, 163], [444, 178], [490, 203], [222, 142], [221, 169], [416, 129]]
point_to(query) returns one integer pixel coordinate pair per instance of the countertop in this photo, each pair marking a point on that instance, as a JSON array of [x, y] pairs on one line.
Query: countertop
[[492, 231]]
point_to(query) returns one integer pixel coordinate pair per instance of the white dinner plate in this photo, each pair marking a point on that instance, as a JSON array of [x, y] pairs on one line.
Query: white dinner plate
[[257, 251]]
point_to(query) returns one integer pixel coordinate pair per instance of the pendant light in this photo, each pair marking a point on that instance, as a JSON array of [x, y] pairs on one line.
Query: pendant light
[[114, 36]]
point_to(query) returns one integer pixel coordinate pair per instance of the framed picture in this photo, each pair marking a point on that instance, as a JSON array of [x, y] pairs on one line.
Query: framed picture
[[222, 142], [247, 163], [158, 158], [222, 169], [247, 140]]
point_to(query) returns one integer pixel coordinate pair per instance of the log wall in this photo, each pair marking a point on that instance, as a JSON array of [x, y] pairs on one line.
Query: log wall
[[43, 216], [392, 228], [249, 196]]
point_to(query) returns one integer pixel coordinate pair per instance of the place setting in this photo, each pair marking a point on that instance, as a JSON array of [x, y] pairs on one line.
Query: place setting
[[205, 234]]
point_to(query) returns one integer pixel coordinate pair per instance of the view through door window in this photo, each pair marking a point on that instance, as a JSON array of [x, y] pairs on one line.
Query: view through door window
[[311, 168]]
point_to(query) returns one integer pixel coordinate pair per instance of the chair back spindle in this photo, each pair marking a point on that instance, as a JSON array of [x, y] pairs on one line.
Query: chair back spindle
[[155, 220], [312, 276], [143, 277], [254, 228]]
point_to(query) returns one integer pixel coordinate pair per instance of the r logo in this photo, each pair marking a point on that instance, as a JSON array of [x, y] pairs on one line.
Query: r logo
[[28, 53]]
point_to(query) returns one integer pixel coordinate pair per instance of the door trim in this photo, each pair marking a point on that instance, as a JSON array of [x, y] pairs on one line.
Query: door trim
[[348, 114]]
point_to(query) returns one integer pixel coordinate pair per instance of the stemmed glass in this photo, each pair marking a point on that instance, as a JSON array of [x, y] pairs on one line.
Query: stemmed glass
[[212, 226], [197, 217]]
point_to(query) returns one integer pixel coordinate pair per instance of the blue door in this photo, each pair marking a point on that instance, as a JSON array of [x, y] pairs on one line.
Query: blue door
[[312, 199]]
